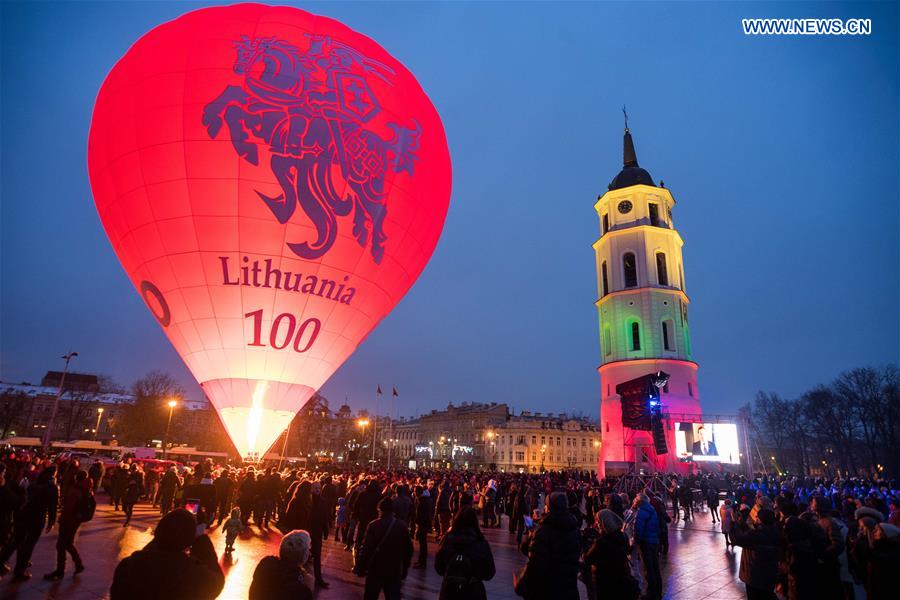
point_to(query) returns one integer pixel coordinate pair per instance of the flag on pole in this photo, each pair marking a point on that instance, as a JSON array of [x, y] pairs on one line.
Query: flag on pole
[[378, 391], [395, 392]]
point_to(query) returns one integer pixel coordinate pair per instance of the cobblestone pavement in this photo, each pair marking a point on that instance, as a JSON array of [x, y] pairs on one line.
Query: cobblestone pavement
[[697, 568]]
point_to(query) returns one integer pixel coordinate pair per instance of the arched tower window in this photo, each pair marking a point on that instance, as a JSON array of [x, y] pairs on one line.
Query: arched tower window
[[667, 331], [607, 341], [635, 331], [662, 272], [629, 266], [604, 278]]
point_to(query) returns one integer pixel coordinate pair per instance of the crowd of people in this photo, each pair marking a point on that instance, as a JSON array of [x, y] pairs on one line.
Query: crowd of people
[[801, 538]]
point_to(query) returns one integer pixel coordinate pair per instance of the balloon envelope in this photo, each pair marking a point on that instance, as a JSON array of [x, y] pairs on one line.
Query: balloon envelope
[[273, 183]]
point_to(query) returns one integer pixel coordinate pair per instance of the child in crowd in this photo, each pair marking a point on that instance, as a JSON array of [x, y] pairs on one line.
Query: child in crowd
[[232, 527], [340, 524]]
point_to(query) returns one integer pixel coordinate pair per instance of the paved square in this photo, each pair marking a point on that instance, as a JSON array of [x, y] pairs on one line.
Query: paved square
[[697, 567]]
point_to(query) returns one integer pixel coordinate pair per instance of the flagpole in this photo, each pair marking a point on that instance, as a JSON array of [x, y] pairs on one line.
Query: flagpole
[[390, 431], [375, 423]]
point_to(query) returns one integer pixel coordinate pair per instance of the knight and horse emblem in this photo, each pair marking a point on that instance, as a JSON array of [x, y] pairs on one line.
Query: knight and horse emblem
[[311, 109]]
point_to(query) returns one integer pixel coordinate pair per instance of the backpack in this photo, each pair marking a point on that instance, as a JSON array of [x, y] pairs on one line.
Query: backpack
[[458, 577], [86, 507]]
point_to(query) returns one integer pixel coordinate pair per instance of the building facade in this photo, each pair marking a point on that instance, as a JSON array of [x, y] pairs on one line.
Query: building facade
[[643, 312], [482, 436]]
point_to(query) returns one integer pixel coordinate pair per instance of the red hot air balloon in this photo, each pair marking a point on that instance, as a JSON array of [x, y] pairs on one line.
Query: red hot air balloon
[[273, 182]]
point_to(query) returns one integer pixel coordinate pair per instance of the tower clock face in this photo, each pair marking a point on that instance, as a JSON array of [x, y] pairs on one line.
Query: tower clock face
[[625, 207]]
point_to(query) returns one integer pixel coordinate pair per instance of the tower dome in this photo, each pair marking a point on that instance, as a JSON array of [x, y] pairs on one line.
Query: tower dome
[[631, 173]]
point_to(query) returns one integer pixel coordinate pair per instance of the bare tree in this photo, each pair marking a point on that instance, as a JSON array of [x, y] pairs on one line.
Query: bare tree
[[145, 418], [860, 390]]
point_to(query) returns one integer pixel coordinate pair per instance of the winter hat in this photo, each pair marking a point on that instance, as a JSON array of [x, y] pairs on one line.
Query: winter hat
[[176, 530], [295, 546], [867, 511], [610, 520], [559, 502]]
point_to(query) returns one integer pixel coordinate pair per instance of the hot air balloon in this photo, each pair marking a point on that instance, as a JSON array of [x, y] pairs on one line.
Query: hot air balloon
[[273, 183]]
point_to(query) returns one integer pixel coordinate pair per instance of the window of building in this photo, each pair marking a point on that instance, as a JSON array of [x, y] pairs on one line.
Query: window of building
[[604, 278], [534, 439], [605, 226], [607, 427], [533, 456], [558, 442], [607, 343], [629, 266], [583, 442], [520, 456], [520, 440], [654, 214], [635, 336], [662, 274], [543, 440], [667, 334], [690, 389]]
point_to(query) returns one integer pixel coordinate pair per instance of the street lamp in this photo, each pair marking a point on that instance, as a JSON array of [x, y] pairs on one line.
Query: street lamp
[[172, 404], [543, 451], [62, 381], [97, 427], [363, 423]]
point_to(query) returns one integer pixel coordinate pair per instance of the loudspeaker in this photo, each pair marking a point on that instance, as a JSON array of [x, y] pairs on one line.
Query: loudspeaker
[[659, 435], [635, 394]]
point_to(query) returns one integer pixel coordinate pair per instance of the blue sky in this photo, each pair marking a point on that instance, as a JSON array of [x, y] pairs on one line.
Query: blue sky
[[782, 153]]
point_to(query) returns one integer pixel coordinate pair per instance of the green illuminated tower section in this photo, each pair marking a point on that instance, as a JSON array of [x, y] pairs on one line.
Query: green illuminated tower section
[[642, 306]]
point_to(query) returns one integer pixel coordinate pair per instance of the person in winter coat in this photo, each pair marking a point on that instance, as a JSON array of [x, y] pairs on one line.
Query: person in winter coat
[[759, 560], [247, 494], [75, 499], [442, 507], [366, 509], [403, 504], [119, 483], [39, 508], [553, 552], [95, 472], [133, 492], [224, 485], [726, 520], [646, 536], [712, 502], [609, 558], [804, 548], [424, 512], [882, 577], [162, 568], [464, 559], [167, 487], [520, 509], [385, 554], [319, 517], [280, 577]]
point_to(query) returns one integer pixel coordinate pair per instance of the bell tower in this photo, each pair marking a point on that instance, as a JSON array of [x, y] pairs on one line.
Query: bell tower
[[643, 312]]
